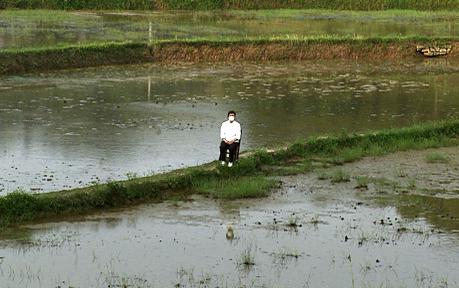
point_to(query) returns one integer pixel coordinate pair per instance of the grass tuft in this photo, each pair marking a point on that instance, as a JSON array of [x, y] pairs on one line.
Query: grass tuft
[[235, 188], [231, 4], [340, 176], [437, 157], [293, 221], [247, 257]]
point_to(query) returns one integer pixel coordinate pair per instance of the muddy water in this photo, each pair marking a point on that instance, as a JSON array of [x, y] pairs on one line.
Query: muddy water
[[69, 129], [31, 29], [424, 189], [343, 238]]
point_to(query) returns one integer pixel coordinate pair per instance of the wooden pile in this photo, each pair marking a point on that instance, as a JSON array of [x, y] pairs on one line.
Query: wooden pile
[[433, 51]]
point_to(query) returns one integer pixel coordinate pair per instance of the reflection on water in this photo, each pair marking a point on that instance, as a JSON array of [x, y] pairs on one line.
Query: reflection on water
[[26, 29], [162, 245], [442, 213], [69, 129]]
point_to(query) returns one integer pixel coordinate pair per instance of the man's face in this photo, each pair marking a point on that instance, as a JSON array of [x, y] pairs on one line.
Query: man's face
[[231, 117]]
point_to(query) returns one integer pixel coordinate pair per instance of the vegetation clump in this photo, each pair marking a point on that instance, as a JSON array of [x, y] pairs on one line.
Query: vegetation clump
[[231, 4], [235, 188], [437, 157], [336, 176], [264, 48], [340, 176], [247, 257]]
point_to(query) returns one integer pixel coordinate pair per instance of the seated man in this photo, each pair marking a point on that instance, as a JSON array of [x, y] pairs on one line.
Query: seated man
[[230, 133]]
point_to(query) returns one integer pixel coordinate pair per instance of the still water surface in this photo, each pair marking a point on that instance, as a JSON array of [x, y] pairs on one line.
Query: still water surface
[[72, 128]]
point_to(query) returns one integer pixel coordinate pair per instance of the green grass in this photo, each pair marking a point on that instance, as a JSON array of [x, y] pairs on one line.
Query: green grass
[[336, 176], [42, 15], [233, 40], [437, 157], [242, 180], [233, 4], [247, 257], [244, 187], [348, 155]]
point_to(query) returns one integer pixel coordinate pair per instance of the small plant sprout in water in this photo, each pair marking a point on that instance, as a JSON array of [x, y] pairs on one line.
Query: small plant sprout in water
[[424, 278], [366, 267], [363, 237], [293, 221], [285, 255], [247, 258], [187, 278], [288, 253], [127, 281], [131, 175], [315, 220]]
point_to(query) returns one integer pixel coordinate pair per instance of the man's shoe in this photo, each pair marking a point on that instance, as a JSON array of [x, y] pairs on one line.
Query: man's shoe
[[223, 163], [230, 164]]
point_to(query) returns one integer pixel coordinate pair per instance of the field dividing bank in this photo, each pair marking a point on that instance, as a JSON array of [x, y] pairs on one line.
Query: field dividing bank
[[250, 177], [232, 4], [286, 48]]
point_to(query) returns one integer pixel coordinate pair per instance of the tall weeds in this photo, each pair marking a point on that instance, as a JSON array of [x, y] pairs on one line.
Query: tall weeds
[[232, 4]]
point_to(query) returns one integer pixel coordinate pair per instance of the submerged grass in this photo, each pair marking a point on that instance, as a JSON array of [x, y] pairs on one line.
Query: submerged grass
[[242, 180]]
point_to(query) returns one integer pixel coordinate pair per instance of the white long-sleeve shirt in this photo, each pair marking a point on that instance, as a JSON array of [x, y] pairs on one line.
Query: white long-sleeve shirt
[[230, 131]]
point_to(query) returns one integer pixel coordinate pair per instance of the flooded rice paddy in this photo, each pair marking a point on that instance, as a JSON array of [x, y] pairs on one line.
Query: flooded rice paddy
[[311, 232], [72, 128], [390, 222], [19, 29]]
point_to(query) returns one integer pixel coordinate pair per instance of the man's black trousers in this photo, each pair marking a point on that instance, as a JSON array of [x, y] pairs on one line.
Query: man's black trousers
[[232, 148]]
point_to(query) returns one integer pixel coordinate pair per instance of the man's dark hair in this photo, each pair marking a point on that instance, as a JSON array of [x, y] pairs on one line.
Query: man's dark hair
[[231, 112]]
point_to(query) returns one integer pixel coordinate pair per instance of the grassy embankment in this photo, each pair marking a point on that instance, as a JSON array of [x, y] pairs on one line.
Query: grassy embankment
[[288, 47], [232, 4], [249, 178]]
